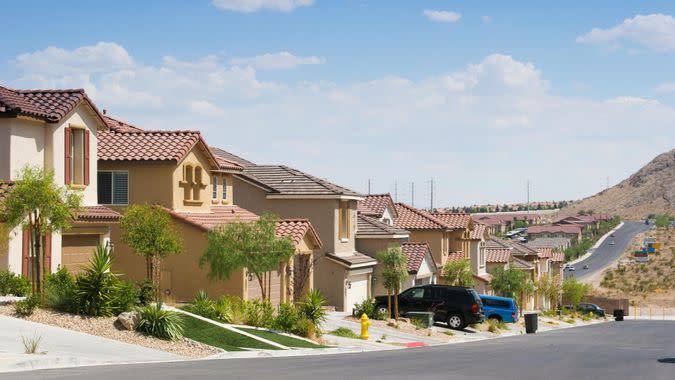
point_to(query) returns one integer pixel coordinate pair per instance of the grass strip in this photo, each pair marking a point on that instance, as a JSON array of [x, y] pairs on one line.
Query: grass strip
[[207, 333], [281, 339]]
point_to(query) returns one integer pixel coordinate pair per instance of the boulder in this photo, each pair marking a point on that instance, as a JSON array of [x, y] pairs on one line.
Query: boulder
[[128, 319]]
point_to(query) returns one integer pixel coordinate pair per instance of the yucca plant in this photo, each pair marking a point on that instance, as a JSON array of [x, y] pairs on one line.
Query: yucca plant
[[96, 286], [311, 307], [160, 323]]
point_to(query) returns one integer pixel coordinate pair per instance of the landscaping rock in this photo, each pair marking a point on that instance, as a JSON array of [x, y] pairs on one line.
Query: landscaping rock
[[128, 319]]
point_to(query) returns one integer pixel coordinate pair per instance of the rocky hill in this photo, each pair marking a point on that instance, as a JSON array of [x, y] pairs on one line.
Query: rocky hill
[[651, 190]]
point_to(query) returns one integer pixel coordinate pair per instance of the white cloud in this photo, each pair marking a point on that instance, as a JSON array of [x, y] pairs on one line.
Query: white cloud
[[486, 19], [277, 61], [442, 16], [102, 57], [665, 88], [464, 125], [248, 6], [655, 32]]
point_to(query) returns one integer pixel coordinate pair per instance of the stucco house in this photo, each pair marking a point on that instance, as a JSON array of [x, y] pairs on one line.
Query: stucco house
[[57, 130], [341, 272], [568, 231], [178, 171]]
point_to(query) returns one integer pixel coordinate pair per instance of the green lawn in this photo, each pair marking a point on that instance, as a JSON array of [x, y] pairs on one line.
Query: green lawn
[[213, 335], [281, 339]]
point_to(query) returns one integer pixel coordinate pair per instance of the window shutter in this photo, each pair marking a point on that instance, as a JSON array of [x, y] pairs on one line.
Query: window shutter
[[86, 157], [25, 253], [120, 194], [48, 252], [68, 155]]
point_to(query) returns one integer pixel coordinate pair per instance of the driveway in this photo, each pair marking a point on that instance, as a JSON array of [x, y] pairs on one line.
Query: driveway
[[613, 350], [607, 254], [63, 347]]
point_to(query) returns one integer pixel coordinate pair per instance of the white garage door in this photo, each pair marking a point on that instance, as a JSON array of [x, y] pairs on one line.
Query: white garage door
[[357, 292]]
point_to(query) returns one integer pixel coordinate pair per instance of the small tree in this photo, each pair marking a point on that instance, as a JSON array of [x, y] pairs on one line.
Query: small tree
[[151, 233], [250, 245], [551, 288], [512, 283], [458, 273], [573, 291], [394, 272], [39, 205]]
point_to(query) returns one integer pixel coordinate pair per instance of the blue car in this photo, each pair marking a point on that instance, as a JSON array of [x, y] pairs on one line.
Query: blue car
[[500, 308]]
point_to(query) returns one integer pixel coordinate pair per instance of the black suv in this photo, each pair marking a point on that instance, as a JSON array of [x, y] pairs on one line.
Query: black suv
[[455, 305]]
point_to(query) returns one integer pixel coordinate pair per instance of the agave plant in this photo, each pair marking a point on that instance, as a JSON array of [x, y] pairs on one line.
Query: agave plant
[[160, 323], [311, 307], [96, 286]]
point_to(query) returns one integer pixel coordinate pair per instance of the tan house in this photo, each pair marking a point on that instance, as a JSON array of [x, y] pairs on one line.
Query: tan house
[[57, 130], [177, 171], [568, 231], [342, 273]]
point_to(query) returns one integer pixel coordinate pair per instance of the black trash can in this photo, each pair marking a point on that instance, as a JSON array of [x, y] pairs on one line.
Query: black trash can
[[618, 314], [531, 323]]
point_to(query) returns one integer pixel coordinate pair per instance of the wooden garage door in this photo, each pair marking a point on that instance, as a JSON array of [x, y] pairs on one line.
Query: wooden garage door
[[77, 250], [254, 290]]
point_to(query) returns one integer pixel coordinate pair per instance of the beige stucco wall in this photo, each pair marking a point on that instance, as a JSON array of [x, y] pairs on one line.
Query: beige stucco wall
[[370, 247], [195, 158], [148, 182], [182, 275], [330, 278], [437, 240]]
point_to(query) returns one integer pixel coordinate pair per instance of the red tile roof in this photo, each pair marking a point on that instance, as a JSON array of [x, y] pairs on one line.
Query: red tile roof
[[456, 256], [283, 180], [96, 214], [545, 252], [119, 125], [375, 204], [415, 253], [368, 226], [231, 157], [478, 231], [497, 255], [558, 257], [48, 105], [297, 229], [219, 215], [455, 221], [410, 218], [555, 228]]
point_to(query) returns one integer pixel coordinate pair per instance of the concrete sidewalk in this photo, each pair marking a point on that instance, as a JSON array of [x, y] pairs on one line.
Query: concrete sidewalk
[[66, 348], [336, 319]]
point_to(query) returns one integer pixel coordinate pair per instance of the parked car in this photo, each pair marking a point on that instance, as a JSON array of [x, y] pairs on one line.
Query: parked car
[[500, 308], [591, 308], [571, 268], [455, 305]]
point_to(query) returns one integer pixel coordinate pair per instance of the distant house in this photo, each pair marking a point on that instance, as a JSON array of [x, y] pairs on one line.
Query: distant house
[[421, 264], [568, 231], [555, 243]]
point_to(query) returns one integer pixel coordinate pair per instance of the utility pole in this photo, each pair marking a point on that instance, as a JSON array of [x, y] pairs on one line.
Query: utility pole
[[528, 197], [412, 194], [395, 191], [432, 195], [368, 186]]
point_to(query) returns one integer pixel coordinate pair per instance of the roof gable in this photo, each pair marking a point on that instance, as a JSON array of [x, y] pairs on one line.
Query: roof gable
[[368, 226], [455, 221], [376, 204], [415, 254], [288, 181], [416, 219], [231, 157]]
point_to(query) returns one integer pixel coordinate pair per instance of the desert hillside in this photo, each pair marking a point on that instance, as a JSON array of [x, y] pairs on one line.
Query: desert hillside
[[651, 190]]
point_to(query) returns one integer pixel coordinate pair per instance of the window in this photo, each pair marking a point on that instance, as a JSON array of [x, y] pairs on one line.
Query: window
[[192, 184], [214, 184], [77, 152], [417, 293], [113, 188], [344, 220], [76, 156], [224, 188]]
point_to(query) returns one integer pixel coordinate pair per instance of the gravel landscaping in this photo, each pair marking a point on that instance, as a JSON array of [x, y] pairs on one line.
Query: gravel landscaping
[[105, 327]]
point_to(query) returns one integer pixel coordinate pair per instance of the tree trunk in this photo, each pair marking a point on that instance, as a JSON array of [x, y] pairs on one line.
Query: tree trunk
[[389, 303], [148, 267], [261, 282], [396, 303], [157, 275]]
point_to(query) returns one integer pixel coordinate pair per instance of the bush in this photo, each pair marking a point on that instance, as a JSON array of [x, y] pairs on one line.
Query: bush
[[368, 307], [125, 297], [96, 287], [311, 307], [163, 324], [258, 313], [26, 306], [287, 317], [305, 328], [345, 333], [60, 292], [13, 284], [146, 292]]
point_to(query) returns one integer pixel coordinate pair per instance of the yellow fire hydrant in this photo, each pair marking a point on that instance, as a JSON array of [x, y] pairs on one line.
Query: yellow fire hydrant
[[365, 323]]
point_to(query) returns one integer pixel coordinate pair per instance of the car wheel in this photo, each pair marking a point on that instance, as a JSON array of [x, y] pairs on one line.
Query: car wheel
[[455, 321]]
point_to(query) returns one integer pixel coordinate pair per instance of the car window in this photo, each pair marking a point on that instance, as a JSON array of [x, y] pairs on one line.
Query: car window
[[418, 293]]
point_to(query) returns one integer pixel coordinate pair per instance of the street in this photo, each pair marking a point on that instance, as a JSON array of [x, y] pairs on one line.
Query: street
[[612, 350], [606, 254]]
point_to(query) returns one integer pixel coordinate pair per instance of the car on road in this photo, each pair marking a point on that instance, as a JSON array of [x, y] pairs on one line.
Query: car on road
[[571, 268], [500, 308], [591, 308], [455, 305], [586, 266], [612, 235], [611, 242]]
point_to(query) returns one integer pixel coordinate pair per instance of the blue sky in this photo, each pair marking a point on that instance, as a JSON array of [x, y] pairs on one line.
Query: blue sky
[[478, 95]]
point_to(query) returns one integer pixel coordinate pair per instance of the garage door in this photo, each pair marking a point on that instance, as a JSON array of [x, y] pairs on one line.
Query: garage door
[[357, 291], [254, 290], [77, 250]]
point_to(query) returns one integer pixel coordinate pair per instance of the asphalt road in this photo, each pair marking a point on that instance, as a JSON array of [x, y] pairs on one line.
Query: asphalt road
[[606, 254], [612, 350]]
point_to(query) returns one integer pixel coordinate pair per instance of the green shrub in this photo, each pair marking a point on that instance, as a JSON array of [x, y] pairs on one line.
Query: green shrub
[[345, 333], [60, 292], [368, 307], [163, 324], [311, 307], [96, 286], [125, 297], [287, 317], [305, 328], [26, 306], [258, 313], [14, 284], [146, 292]]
